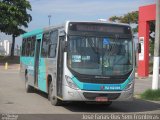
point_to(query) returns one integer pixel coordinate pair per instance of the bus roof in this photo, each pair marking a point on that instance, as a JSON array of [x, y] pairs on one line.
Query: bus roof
[[107, 22], [38, 31], [31, 33]]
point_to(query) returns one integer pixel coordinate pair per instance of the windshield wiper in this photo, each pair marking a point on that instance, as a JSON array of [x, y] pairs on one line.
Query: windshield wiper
[[93, 47]]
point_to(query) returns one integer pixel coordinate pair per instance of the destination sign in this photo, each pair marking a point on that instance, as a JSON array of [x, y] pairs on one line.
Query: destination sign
[[98, 27]]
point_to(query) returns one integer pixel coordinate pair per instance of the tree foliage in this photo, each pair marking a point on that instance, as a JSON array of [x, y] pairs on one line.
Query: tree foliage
[[14, 18], [132, 18]]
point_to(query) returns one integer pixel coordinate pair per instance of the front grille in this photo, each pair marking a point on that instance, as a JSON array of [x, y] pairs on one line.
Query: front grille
[[100, 80], [103, 80], [92, 96]]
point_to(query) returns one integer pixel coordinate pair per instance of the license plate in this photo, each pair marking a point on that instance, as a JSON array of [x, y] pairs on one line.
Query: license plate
[[101, 99]]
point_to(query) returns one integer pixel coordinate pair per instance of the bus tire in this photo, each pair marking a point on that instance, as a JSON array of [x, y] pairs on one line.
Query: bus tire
[[28, 88], [109, 103], [52, 97], [106, 104]]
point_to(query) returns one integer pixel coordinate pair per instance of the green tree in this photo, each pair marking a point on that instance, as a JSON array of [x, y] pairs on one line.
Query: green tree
[[14, 18], [132, 18]]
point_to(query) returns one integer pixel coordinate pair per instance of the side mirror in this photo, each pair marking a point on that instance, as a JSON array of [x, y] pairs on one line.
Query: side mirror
[[63, 43], [139, 47], [64, 46]]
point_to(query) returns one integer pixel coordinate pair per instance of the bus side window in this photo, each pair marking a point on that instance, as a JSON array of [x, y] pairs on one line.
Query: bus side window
[[54, 37], [23, 48], [53, 44], [33, 39], [52, 50], [28, 46], [45, 45]]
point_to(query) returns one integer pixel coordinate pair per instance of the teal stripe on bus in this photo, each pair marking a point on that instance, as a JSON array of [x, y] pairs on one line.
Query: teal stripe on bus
[[98, 87], [42, 75], [34, 32], [27, 60]]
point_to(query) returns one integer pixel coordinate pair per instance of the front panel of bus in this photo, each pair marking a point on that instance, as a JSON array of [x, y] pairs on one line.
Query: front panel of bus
[[98, 62]]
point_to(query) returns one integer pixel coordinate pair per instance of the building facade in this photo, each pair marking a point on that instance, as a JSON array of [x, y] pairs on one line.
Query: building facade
[[5, 47]]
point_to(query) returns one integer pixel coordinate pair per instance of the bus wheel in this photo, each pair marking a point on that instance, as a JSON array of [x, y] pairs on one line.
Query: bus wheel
[[27, 86], [52, 97], [108, 103]]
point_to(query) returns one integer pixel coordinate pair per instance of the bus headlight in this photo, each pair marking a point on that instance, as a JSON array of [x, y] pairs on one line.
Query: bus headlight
[[71, 84], [129, 86]]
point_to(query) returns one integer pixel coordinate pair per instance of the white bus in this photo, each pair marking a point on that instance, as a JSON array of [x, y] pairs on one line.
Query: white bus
[[80, 61]]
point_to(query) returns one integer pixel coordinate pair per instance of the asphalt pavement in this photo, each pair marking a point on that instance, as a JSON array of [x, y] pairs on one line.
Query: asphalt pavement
[[14, 100]]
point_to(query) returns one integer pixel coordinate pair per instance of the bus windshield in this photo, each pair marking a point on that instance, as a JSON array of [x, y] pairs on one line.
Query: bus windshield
[[104, 56]]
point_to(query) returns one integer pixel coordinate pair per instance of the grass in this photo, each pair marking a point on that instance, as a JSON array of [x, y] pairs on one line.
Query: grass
[[151, 95]]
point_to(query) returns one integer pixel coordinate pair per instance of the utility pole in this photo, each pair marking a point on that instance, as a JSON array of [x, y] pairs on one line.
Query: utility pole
[[49, 16], [156, 48]]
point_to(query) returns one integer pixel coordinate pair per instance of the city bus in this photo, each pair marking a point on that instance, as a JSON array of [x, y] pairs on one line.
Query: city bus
[[80, 61]]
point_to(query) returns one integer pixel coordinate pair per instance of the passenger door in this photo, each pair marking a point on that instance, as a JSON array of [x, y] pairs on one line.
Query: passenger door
[[42, 77], [60, 66], [37, 56]]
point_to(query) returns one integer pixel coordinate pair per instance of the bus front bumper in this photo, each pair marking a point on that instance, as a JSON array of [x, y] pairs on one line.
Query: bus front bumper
[[70, 94]]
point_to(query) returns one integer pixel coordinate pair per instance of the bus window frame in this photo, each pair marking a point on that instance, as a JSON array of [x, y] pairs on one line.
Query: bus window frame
[[46, 55], [53, 41], [49, 50]]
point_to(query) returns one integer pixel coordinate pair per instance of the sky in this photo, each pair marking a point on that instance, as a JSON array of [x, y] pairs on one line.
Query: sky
[[83, 10]]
